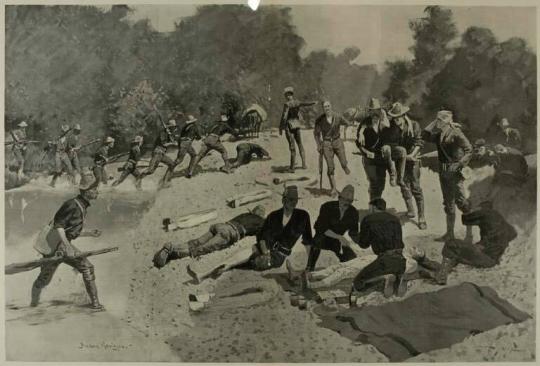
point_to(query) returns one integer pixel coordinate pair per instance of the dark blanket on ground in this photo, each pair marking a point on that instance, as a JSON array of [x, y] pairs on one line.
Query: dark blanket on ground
[[425, 322]]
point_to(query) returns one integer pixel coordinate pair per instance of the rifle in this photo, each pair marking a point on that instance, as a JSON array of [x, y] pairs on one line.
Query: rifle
[[87, 144], [113, 158], [121, 169], [21, 142], [171, 138], [28, 266]]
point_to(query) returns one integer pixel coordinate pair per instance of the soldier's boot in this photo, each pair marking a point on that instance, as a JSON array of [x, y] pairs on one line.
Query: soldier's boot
[[389, 282], [333, 190], [449, 235], [167, 253], [303, 158], [293, 162], [401, 286], [36, 294], [91, 289], [410, 208], [54, 178], [468, 234], [138, 183], [165, 181], [227, 167], [392, 173], [422, 225], [441, 276]]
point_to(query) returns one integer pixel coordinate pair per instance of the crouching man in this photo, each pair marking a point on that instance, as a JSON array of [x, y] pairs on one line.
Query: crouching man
[[67, 226], [218, 237], [495, 235], [382, 231]]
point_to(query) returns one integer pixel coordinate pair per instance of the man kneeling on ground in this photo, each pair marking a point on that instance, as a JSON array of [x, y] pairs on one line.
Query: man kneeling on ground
[[219, 236], [495, 235], [382, 231]]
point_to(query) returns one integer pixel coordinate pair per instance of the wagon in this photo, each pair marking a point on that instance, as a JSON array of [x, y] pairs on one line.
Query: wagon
[[252, 120]]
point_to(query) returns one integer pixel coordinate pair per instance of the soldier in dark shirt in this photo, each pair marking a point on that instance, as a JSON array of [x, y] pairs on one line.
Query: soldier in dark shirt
[[101, 158], [213, 142], [130, 167], [369, 144], [495, 235], [382, 231], [329, 142], [280, 232], [245, 152], [159, 154], [218, 237], [335, 219], [290, 124], [67, 226], [187, 133]]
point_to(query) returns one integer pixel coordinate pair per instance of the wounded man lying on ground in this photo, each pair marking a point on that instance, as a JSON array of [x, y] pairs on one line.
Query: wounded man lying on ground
[[275, 241], [245, 152], [218, 237], [416, 266]]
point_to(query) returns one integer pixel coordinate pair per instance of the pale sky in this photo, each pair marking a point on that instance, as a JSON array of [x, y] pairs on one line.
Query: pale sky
[[380, 32]]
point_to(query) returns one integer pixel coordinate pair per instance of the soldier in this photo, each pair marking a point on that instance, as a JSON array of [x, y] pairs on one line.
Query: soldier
[[159, 154], [61, 158], [368, 142], [329, 142], [130, 167], [245, 152], [188, 132], [409, 138], [213, 142], [290, 123], [67, 226], [495, 235], [382, 231], [335, 219], [218, 237], [454, 152], [101, 158], [19, 146], [73, 145]]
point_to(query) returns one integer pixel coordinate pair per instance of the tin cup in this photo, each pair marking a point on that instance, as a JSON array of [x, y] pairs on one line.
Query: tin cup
[[294, 300]]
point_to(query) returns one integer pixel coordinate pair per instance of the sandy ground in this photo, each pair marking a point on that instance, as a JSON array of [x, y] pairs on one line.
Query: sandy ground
[[148, 317]]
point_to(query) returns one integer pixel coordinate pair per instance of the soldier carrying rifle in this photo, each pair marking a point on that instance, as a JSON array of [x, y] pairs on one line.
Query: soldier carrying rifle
[[19, 146], [67, 226], [101, 158], [130, 167], [61, 159], [164, 139]]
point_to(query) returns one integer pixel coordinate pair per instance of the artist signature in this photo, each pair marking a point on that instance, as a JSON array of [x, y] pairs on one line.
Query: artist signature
[[105, 346]]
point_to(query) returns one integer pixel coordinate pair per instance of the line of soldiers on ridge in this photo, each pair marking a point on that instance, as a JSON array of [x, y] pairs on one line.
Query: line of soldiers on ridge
[[278, 232], [67, 146]]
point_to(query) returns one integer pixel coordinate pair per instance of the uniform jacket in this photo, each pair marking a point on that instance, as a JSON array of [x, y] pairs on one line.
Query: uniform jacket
[[329, 131], [452, 145]]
